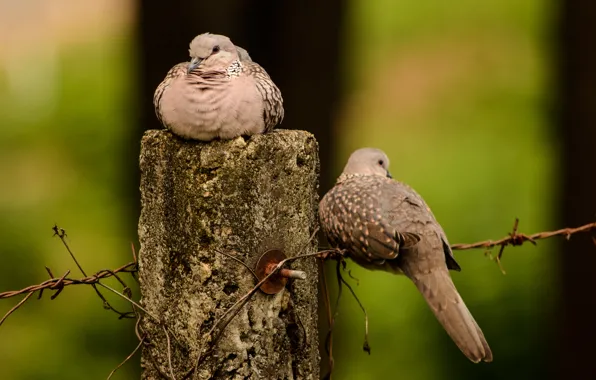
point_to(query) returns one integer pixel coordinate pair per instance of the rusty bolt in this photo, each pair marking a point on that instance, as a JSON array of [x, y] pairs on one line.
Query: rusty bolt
[[290, 273], [267, 264]]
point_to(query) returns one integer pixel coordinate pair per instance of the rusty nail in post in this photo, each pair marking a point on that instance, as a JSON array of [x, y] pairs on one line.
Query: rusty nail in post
[[267, 264], [290, 273]]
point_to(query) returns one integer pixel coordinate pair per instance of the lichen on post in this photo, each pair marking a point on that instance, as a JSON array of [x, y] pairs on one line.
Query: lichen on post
[[242, 197]]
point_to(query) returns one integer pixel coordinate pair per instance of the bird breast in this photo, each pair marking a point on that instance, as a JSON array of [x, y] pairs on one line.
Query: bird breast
[[214, 107]]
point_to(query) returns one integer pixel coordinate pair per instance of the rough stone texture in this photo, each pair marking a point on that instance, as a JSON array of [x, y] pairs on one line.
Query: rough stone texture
[[241, 197]]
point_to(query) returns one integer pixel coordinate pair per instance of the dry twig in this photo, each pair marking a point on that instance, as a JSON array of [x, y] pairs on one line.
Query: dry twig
[[141, 341], [61, 233]]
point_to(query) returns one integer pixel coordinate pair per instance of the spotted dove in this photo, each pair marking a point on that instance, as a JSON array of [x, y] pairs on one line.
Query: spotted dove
[[385, 225], [220, 93]]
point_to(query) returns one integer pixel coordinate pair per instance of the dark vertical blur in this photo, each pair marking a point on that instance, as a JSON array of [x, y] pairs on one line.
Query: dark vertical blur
[[577, 131]]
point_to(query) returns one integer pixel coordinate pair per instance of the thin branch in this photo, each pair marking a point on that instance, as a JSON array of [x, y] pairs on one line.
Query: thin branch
[[141, 341], [137, 333], [135, 260], [129, 300], [157, 368], [135, 304], [15, 307], [239, 261], [61, 233], [366, 346], [329, 337], [169, 352], [134, 252], [327, 302]]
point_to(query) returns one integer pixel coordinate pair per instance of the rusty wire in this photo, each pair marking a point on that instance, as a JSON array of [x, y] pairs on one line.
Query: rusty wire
[[516, 239], [57, 284], [60, 283]]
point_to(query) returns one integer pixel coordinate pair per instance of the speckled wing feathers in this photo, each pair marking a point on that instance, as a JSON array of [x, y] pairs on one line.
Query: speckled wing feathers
[[175, 72], [273, 111], [352, 215], [409, 212]]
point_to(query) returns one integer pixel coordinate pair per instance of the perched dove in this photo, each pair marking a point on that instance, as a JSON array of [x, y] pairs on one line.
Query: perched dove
[[385, 225], [220, 93]]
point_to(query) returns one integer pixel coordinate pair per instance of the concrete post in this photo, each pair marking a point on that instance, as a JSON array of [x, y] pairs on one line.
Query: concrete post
[[242, 197]]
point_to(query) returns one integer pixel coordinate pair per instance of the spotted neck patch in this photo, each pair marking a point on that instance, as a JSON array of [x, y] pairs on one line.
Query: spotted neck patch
[[345, 177], [235, 69]]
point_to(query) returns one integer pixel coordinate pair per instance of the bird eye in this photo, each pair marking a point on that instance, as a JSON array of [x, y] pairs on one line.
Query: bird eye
[[215, 49], [381, 162]]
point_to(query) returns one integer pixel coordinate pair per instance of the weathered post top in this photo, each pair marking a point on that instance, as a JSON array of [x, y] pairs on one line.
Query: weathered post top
[[242, 197]]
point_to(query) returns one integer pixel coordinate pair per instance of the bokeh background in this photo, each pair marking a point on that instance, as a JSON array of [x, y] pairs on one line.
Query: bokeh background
[[487, 108]]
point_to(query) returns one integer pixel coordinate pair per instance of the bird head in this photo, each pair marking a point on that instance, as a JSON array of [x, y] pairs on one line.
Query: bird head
[[211, 52], [368, 161]]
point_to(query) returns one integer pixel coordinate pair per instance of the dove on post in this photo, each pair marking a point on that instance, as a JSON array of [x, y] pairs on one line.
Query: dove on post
[[220, 93], [385, 225]]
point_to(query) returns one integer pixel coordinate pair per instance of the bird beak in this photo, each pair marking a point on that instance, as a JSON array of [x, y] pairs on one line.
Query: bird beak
[[389, 175], [194, 63]]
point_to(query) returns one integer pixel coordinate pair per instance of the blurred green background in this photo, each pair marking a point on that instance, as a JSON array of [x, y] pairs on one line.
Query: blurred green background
[[456, 92]]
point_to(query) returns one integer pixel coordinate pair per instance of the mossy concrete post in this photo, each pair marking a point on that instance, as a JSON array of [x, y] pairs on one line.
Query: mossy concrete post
[[241, 197]]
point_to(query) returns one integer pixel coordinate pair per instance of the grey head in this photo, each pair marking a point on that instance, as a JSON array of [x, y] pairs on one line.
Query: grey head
[[211, 52], [243, 54], [368, 161]]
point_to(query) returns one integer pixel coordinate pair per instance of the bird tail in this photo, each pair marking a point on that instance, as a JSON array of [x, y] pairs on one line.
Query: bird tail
[[451, 311]]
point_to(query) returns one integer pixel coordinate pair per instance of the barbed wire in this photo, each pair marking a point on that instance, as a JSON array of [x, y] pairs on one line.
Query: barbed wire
[[57, 284], [516, 239]]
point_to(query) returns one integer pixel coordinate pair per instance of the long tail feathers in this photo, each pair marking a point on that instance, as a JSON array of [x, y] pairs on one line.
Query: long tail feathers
[[451, 311]]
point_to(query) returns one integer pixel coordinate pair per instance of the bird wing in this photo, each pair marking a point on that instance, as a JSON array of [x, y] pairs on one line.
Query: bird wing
[[351, 216], [175, 72], [273, 110], [410, 213]]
